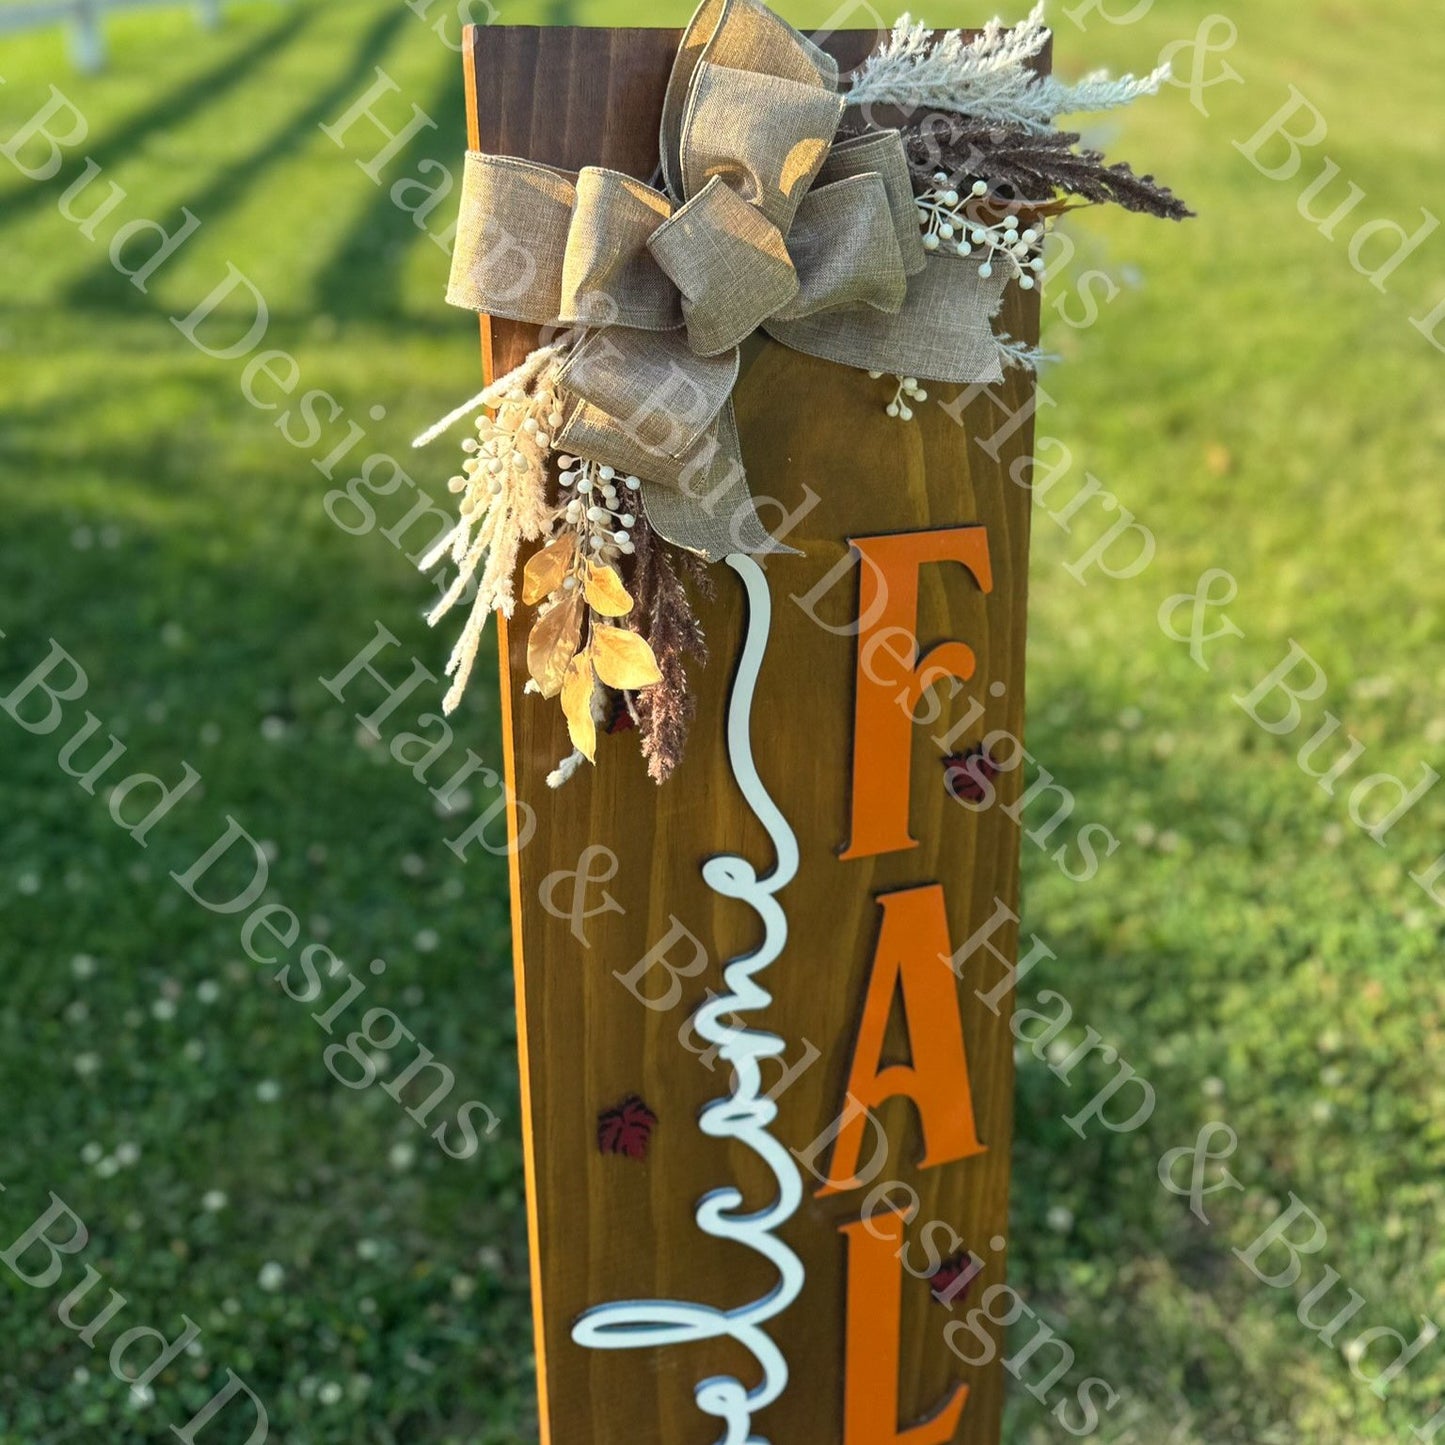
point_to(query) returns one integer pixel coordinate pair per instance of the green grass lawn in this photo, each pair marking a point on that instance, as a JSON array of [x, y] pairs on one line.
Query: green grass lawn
[[1247, 395]]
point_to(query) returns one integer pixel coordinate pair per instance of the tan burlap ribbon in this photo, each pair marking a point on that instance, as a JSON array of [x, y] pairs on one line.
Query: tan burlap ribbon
[[766, 223]]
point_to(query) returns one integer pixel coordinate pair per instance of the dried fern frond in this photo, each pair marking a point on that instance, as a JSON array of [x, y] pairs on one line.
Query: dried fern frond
[[1099, 91], [1017, 355], [989, 77], [916, 69]]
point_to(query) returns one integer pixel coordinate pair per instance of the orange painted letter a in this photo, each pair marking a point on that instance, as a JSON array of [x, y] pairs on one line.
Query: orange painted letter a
[[913, 959]]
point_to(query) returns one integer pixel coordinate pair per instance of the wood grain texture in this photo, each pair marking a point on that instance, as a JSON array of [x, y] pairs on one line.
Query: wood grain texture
[[608, 1228]]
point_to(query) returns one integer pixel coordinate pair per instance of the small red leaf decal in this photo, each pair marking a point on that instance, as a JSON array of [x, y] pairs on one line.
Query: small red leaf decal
[[953, 1279], [627, 1129], [967, 775]]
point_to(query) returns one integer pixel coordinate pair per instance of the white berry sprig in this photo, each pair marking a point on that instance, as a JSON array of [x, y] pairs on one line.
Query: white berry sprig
[[510, 449], [944, 217], [908, 390], [600, 509]]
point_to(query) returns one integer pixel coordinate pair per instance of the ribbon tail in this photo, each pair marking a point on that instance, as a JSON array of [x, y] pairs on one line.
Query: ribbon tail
[[943, 331], [711, 510]]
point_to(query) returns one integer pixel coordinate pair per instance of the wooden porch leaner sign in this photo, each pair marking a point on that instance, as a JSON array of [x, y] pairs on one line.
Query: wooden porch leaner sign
[[764, 1010], [893, 877]]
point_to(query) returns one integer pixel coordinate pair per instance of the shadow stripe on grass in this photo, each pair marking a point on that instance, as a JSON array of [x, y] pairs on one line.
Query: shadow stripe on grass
[[102, 286], [167, 114]]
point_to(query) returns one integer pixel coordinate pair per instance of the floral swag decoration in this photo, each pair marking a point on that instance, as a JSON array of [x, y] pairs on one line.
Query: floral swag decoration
[[782, 209]]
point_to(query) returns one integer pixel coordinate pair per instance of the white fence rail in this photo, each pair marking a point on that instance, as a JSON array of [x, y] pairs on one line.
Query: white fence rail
[[85, 20]]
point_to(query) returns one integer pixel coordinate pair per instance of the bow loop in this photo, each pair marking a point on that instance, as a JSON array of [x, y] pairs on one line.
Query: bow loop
[[765, 136], [768, 222], [730, 264], [609, 277], [662, 397], [745, 38], [512, 238], [846, 248], [881, 154]]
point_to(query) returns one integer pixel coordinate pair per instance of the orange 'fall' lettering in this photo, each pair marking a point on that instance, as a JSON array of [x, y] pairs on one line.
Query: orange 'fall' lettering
[[890, 685], [912, 959], [875, 1321]]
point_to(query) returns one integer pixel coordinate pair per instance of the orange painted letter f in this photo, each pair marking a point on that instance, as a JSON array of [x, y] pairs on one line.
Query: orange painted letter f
[[890, 684]]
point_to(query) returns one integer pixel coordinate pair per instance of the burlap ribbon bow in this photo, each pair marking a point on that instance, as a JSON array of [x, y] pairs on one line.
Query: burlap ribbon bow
[[766, 223]]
